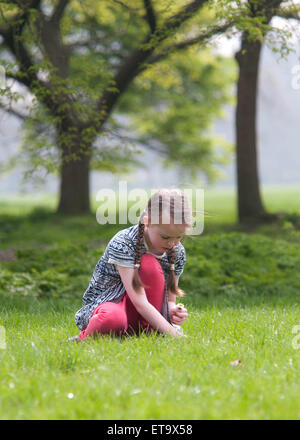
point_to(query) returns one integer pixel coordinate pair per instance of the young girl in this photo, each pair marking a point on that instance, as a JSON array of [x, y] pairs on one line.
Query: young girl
[[135, 283]]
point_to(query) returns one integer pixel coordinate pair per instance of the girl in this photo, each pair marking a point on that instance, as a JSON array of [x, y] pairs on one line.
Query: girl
[[135, 283]]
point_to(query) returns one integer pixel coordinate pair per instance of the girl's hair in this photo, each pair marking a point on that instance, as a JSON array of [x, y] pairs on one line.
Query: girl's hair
[[164, 206]]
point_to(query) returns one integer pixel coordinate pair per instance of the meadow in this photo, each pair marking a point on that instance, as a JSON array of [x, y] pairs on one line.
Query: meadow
[[240, 359]]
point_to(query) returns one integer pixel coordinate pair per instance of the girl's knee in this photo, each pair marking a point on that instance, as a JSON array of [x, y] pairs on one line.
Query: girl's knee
[[114, 320], [116, 323], [150, 265]]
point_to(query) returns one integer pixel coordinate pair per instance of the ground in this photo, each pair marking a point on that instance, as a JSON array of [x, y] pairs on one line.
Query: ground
[[242, 292]]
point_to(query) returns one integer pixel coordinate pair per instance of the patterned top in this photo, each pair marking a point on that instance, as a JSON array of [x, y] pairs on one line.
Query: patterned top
[[106, 283]]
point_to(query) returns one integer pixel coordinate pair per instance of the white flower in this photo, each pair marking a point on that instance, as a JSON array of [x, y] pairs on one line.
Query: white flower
[[137, 391]]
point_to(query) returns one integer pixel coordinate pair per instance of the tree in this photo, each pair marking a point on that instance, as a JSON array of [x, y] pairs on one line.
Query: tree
[[250, 206], [180, 98], [43, 39]]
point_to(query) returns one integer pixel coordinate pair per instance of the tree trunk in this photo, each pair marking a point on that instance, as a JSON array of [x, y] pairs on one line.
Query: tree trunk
[[250, 206], [74, 175]]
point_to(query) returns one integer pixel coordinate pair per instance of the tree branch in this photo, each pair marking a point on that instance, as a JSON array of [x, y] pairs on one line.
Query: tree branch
[[96, 39], [289, 13], [133, 140], [23, 58], [13, 112], [131, 65], [51, 45], [15, 25], [11, 38], [150, 15], [182, 16], [27, 72], [187, 43], [59, 11], [21, 79]]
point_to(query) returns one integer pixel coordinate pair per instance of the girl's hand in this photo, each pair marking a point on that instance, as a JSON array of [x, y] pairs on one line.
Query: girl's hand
[[178, 316]]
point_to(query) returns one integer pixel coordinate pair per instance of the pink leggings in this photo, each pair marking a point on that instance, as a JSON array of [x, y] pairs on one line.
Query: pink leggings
[[122, 317]]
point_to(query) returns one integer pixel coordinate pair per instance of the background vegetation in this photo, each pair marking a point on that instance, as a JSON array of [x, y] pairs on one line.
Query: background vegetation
[[242, 292]]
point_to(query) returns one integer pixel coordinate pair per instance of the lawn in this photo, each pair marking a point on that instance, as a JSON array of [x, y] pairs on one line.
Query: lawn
[[243, 296]]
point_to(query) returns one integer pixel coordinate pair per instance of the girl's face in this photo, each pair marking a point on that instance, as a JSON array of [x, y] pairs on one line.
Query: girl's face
[[163, 237]]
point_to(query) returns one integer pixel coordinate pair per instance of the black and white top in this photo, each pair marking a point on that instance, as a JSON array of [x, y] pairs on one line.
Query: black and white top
[[106, 283]]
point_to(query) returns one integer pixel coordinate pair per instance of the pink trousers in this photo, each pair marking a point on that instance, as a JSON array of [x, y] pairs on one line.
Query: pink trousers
[[122, 317]]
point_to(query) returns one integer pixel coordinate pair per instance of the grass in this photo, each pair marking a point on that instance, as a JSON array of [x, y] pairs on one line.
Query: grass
[[243, 292]]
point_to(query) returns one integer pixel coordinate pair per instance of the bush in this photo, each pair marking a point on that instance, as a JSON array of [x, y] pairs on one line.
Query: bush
[[237, 264], [229, 266]]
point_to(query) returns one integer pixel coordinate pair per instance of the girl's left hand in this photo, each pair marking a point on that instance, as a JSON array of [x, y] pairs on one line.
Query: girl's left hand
[[178, 316]]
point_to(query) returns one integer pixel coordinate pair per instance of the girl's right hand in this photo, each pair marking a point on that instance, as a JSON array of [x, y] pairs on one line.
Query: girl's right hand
[[178, 316]]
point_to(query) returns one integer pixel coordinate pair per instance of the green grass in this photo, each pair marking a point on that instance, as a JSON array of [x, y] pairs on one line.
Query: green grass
[[242, 293]]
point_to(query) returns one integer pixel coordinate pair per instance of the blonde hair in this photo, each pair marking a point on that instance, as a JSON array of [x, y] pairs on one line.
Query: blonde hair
[[169, 204]]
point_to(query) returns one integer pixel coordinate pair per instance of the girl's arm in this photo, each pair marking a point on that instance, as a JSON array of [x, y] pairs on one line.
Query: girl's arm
[[142, 305], [172, 297]]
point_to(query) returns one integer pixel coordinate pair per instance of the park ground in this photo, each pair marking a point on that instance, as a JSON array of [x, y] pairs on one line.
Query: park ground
[[240, 359]]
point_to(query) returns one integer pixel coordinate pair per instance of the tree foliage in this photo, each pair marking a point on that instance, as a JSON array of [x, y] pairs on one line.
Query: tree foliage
[[73, 63], [87, 64]]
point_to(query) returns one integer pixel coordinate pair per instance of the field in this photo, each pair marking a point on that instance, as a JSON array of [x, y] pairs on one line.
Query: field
[[243, 296]]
